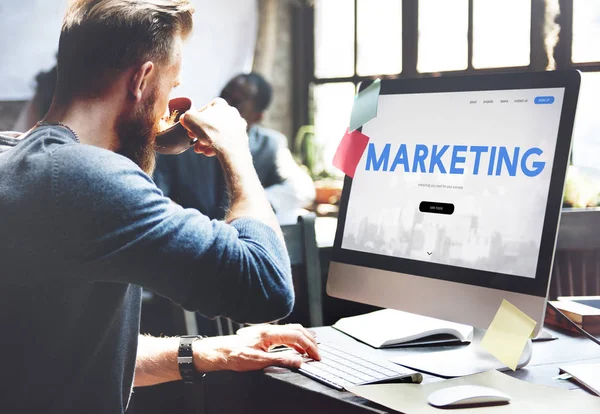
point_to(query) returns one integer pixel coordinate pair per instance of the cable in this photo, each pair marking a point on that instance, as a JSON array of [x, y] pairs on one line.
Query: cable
[[577, 327]]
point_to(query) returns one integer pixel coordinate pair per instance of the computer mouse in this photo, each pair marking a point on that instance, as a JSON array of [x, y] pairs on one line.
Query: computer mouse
[[465, 395]]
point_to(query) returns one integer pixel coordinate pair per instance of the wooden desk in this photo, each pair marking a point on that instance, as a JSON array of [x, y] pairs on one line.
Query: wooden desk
[[278, 390]]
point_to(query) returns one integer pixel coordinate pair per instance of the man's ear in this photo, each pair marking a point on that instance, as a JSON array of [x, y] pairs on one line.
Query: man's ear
[[139, 80], [259, 116]]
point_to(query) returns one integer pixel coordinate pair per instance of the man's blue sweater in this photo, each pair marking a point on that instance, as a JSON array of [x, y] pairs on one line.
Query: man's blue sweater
[[82, 229]]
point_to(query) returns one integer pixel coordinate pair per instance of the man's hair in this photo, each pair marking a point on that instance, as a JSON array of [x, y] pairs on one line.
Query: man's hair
[[264, 91], [100, 38]]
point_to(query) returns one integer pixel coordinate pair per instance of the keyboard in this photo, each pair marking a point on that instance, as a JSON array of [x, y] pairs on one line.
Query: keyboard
[[340, 368]]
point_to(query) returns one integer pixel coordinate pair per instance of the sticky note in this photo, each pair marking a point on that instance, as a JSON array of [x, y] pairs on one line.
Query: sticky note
[[508, 333], [350, 151], [365, 105]]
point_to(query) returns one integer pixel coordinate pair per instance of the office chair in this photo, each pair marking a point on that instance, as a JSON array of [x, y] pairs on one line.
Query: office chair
[[302, 247]]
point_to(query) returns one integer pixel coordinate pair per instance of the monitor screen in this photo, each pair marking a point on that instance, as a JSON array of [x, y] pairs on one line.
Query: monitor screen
[[455, 203], [462, 180], [457, 178]]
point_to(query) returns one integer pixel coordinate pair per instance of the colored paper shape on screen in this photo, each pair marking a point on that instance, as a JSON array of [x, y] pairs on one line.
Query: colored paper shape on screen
[[365, 105], [350, 151], [508, 334]]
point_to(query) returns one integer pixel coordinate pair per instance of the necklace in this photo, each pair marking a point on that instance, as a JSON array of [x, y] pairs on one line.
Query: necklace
[[41, 123]]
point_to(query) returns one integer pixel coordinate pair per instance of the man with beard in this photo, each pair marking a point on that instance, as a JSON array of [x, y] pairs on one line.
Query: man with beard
[[84, 227]]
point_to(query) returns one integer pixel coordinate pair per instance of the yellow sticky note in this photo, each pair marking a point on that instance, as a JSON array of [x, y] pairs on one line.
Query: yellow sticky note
[[508, 333]]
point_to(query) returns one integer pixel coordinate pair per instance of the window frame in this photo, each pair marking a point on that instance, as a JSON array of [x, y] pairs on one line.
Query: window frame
[[304, 51], [410, 40], [538, 60]]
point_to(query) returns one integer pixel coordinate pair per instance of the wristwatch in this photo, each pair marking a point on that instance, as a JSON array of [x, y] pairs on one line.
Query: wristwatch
[[185, 358]]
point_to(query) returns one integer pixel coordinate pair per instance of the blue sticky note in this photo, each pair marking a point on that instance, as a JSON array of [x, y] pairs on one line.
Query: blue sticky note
[[365, 105]]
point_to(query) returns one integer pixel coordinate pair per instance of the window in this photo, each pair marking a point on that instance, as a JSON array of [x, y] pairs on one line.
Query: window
[[379, 35], [585, 56], [357, 40], [586, 148], [334, 38], [443, 35], [333, 104], [501, 33], [354, 40], [586, 31]]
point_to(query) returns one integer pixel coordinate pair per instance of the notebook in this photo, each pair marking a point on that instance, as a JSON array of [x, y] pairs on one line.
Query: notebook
[[390, 328], [587, 375], [593, 301], [583, 314]]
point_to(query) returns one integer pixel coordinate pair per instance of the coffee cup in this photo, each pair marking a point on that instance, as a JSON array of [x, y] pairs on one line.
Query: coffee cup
[[175, 139]]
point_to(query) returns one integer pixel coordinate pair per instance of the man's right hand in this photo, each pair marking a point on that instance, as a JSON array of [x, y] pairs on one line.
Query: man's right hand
[[249, 349], [219, 128], [221, 131]]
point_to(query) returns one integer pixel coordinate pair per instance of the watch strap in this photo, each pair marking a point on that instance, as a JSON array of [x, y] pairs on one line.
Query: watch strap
[[185, 358]]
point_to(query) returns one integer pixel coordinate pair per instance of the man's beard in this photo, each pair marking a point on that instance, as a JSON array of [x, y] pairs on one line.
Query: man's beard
[[137, 135]]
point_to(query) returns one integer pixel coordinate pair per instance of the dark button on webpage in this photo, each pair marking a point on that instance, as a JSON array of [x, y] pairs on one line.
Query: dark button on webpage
[[436, 208]]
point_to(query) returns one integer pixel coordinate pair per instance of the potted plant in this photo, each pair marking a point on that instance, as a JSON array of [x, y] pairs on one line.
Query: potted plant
[[309, 152]]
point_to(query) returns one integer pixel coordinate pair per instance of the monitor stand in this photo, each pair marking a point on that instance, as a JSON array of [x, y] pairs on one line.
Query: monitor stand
[[458, 362]]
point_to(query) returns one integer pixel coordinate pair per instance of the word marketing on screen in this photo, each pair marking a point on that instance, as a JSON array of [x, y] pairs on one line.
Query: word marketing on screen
[[446, 159]]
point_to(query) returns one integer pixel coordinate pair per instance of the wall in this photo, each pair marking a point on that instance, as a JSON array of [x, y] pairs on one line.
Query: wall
[[276, 64], [221, 46], [28, 43]]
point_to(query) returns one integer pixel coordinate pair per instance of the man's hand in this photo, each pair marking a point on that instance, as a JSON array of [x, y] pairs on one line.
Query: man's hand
[[249, 349], [221, 131], [219, 128]]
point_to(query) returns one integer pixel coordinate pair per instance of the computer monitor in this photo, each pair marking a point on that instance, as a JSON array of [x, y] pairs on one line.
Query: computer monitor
[[455, 203]]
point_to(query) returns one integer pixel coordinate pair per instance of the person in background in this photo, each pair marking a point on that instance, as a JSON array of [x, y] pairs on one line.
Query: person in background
[[38, 106], [84, 228], [199, 182]]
